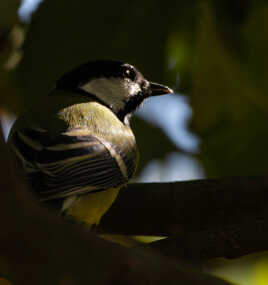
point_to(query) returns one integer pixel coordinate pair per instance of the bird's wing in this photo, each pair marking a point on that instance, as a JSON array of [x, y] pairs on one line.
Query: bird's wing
[[73, 162]]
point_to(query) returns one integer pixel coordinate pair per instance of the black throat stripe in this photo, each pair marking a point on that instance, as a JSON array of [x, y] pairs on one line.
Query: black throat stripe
[[130, 106]]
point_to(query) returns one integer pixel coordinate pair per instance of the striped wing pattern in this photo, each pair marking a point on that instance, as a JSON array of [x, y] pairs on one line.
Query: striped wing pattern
[[72, 163]]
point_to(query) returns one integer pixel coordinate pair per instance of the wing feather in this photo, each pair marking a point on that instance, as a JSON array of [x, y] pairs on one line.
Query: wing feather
[[74, 162]]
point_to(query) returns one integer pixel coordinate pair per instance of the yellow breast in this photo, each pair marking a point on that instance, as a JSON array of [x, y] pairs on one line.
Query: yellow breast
[[91, 207]]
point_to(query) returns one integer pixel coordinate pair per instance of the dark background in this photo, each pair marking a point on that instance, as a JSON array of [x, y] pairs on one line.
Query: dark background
[[212, 52]]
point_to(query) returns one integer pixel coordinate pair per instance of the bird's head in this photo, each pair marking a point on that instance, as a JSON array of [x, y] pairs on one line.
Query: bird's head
[[119, 86]]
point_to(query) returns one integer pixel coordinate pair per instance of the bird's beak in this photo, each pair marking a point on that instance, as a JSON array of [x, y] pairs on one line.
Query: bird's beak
[[158, 89]]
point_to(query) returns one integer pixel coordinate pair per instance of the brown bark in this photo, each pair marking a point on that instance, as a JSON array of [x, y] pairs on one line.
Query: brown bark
[[225, 217]]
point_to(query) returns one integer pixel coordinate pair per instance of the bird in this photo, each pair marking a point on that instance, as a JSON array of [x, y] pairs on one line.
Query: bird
[[76, 146]]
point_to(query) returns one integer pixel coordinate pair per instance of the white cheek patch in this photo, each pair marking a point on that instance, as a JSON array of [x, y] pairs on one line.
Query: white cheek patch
[[112, 91], [134, 89]]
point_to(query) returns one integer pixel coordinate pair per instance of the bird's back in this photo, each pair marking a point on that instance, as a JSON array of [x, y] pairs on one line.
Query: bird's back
[[74, 151]]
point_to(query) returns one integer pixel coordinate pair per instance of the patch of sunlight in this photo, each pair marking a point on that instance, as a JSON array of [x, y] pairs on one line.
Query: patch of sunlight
[[172, 114], [175, 167], [148, 239], [261, 271], [238, 271], [27, 8], [6, 123]]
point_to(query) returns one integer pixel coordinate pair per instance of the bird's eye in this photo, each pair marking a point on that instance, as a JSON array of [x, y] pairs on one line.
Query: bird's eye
[[128, 73]]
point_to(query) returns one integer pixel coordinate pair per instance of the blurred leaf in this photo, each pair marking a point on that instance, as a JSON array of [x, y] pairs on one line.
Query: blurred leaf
[[230, 108], [220, 54], [8, 20], [256, 43]]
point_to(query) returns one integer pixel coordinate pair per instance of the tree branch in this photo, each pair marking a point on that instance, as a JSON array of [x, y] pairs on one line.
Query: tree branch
[[203, 218], [229, 242]]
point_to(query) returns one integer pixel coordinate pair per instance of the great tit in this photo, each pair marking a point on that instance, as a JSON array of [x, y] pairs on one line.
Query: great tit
[[77, 145]]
